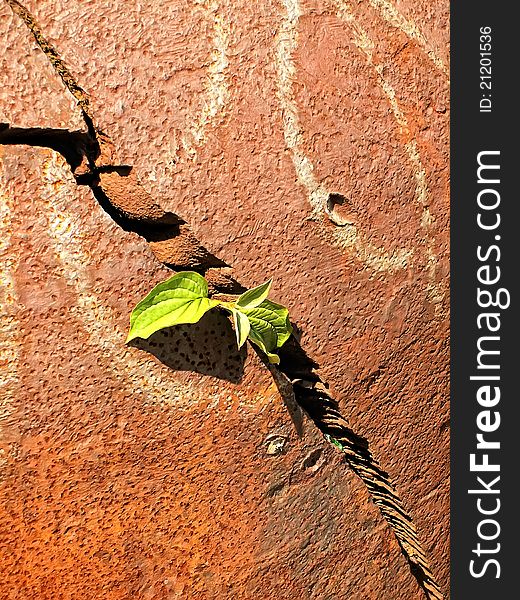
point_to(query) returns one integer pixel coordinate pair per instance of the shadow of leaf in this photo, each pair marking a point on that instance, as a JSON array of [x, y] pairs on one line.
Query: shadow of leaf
[[208, 347]]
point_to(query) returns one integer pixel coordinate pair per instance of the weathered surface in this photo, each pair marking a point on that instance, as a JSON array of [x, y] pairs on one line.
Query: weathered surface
[[124, 477]]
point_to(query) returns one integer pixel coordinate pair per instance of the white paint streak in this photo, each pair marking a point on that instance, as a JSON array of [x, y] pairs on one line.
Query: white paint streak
[[348, 237], [435, 292], [9, 325], [390, 13], [64, 228], [216, 85], [366, 46], [287, 42]]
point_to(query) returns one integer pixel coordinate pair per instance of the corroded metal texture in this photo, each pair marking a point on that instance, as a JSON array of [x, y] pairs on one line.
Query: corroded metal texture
[[303, 141]]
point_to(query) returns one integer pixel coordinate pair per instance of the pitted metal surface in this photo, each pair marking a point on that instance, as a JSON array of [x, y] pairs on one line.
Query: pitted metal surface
[[370, 298]]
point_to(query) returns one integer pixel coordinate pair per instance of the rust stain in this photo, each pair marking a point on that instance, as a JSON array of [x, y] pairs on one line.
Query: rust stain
[[154, 502]]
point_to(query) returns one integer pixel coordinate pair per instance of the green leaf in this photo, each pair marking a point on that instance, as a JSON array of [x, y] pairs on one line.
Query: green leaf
[[258, 341], [182, 298], [242, 326], [334, 442], [270, 327], [254, 297], [271, 322]]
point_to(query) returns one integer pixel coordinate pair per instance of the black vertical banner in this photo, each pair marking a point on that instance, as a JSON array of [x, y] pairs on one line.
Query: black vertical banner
[[485, 248]]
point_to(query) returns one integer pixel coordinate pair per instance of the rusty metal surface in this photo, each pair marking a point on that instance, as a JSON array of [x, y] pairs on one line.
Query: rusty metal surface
[[125, 477]]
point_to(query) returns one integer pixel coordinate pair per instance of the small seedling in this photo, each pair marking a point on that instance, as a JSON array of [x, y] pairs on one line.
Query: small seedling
[[184, 298]]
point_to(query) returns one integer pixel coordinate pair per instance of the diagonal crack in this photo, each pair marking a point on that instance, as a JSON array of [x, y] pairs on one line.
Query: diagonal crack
[[90, 155]]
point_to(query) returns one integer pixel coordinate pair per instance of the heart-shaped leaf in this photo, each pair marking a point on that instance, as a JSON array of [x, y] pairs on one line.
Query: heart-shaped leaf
[[254, 297], [270, 327], [182, 298]]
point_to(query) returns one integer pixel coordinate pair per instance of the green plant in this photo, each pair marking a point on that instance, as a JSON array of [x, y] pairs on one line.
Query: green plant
[[184, 298]]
